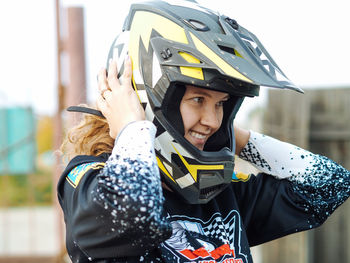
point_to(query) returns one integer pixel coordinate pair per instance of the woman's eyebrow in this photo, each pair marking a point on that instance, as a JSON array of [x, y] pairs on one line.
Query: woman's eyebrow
[[204, 93], [226, 97], [199, 92]]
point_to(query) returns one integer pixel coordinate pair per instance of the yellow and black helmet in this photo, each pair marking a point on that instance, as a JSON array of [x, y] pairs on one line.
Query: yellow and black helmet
[[175, 43]]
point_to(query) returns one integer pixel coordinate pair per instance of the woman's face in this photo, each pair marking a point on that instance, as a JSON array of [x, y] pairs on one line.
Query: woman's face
[[202, 113]]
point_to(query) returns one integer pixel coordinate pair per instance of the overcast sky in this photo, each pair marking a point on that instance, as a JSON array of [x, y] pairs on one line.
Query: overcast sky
[[309, 40]]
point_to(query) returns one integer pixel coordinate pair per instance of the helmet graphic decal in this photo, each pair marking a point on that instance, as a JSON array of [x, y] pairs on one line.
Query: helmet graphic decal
[[139, 32], [229, 70], [191, 71], [193, 168], [156, 70], [165, 168], [120, 48]]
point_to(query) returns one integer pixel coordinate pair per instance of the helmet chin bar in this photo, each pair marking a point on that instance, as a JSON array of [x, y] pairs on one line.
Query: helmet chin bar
[[208, 185]]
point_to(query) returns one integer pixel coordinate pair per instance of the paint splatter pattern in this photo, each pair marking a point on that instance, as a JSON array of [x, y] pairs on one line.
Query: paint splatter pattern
[[322, 183], [130, 186]]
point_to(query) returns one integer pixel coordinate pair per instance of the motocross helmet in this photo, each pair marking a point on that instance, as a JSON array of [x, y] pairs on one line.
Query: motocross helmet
[[177, 43]]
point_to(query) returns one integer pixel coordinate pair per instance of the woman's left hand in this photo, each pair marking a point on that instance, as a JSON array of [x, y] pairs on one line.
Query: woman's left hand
[[118, 102]]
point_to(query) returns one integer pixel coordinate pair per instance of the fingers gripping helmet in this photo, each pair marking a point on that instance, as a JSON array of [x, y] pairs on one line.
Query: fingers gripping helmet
[[177, 43]]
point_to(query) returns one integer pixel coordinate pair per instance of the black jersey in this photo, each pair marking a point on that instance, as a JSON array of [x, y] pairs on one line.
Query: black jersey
[[115, 209]]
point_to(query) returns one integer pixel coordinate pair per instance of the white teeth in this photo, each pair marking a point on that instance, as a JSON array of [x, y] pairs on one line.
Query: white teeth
[[197, 135]]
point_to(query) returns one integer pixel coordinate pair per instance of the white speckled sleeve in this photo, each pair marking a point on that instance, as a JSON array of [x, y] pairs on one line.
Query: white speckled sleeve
[[136, 141], [275, 157], [130, 187], [323, 183]]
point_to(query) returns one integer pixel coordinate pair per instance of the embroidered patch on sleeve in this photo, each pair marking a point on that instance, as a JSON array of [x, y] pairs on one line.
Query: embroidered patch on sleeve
[[78, 172]]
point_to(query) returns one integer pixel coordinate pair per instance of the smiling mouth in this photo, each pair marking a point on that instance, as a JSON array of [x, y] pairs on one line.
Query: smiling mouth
[[197, 135]]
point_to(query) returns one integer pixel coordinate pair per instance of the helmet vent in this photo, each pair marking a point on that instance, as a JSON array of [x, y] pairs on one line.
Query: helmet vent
[[207, 192], [230, 50], [196, 25], [253, 51]]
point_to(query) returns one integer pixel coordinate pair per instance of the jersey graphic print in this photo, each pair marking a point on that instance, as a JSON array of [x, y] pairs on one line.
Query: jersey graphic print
[[217, 240]]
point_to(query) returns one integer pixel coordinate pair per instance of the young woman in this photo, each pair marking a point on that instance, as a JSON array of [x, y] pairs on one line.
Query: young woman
[[154, 181]]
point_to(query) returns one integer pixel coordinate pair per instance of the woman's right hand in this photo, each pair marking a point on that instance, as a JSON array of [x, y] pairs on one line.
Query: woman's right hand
[[118, 102]]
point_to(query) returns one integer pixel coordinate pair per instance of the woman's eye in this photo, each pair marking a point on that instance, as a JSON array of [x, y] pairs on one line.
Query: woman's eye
[[197, 99], [221, 103]]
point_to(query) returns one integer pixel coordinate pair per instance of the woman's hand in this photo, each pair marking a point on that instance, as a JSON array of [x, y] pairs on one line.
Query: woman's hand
[[118, 102]]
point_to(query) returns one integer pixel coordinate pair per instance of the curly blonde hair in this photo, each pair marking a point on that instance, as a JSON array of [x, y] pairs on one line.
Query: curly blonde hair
[[89, 137]]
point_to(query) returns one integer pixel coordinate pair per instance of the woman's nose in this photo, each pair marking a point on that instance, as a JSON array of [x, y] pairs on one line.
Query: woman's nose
[[210, 118]]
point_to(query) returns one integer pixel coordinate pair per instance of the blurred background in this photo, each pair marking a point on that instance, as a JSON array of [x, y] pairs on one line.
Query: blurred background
[[50, 53]]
